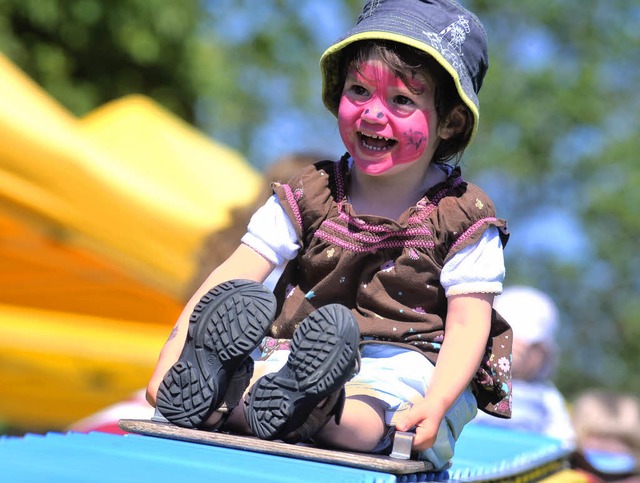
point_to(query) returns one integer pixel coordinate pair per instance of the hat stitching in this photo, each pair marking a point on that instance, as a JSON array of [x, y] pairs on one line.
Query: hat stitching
[[372, 6], [459, 30], [450, 50]]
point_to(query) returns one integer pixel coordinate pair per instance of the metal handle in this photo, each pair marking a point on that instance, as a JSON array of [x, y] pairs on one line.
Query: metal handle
[[402, 443]]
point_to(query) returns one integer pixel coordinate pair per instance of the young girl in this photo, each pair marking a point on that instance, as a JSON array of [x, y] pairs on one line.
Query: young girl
[[383, 316]]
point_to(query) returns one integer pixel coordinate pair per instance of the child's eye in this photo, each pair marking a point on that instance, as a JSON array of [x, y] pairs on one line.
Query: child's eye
[[402, 100], [359, 90]]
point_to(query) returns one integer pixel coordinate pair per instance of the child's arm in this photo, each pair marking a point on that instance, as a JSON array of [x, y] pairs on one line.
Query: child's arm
[[244, 263], [466, 334]]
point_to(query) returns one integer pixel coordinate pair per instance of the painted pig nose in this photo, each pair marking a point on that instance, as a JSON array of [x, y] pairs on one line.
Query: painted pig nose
[[374, 114]]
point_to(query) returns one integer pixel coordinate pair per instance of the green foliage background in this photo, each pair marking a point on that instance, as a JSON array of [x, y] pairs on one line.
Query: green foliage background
[[557, 146]]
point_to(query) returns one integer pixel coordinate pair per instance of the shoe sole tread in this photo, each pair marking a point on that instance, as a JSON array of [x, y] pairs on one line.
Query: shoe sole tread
[[225, 326], [323, 355]]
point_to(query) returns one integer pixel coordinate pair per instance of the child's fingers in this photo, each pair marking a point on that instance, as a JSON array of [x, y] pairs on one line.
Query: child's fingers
[[425, 436], [408, 420]]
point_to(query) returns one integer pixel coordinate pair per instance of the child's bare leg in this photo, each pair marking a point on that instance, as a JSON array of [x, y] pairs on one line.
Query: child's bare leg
[[361, 427], [237, 422]]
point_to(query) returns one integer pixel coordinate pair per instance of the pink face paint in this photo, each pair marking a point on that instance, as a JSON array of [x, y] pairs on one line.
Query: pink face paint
[[382, 122]]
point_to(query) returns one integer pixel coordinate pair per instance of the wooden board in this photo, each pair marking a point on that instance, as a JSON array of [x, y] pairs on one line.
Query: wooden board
[[366, 461]]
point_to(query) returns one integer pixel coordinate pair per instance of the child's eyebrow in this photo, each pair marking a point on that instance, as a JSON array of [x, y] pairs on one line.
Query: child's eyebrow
[[355, 76], [356, 73], [416, 83]]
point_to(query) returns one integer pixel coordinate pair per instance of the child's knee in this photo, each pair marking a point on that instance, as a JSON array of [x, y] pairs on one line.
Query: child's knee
[[152, 390], [361, 426]]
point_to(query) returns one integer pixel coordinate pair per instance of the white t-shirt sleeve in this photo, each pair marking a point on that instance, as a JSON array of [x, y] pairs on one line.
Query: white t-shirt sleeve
[[271, 233], [478, 268]]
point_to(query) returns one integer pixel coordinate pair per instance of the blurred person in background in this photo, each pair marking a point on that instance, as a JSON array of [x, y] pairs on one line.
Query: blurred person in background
[[607, 427], [538, 405]]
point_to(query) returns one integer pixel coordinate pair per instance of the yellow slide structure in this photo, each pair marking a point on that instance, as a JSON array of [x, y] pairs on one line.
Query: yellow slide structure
[[101, 220]]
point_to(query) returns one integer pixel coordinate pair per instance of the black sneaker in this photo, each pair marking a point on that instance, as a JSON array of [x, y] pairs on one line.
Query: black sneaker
[[297, 401], [225, 327]]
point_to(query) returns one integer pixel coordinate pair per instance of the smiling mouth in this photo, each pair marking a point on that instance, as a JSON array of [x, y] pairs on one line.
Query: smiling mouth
[[377, 143]]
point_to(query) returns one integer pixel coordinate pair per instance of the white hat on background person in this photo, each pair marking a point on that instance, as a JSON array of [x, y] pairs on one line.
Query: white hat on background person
[[534, 319], [531, 314]]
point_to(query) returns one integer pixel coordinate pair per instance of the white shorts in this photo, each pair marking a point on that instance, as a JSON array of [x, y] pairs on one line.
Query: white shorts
[[398, 378]]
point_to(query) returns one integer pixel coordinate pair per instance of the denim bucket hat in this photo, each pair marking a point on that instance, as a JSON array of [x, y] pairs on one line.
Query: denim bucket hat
[[445, 30]]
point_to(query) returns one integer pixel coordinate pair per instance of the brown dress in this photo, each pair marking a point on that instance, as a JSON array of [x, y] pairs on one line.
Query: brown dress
[[386, 271]]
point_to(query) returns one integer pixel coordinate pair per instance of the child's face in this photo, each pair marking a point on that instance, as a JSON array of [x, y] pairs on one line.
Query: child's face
[[528, 359], [383, 123]]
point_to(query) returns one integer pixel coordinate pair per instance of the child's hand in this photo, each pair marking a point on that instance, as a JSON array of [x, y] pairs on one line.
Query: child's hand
[[426, 418]]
